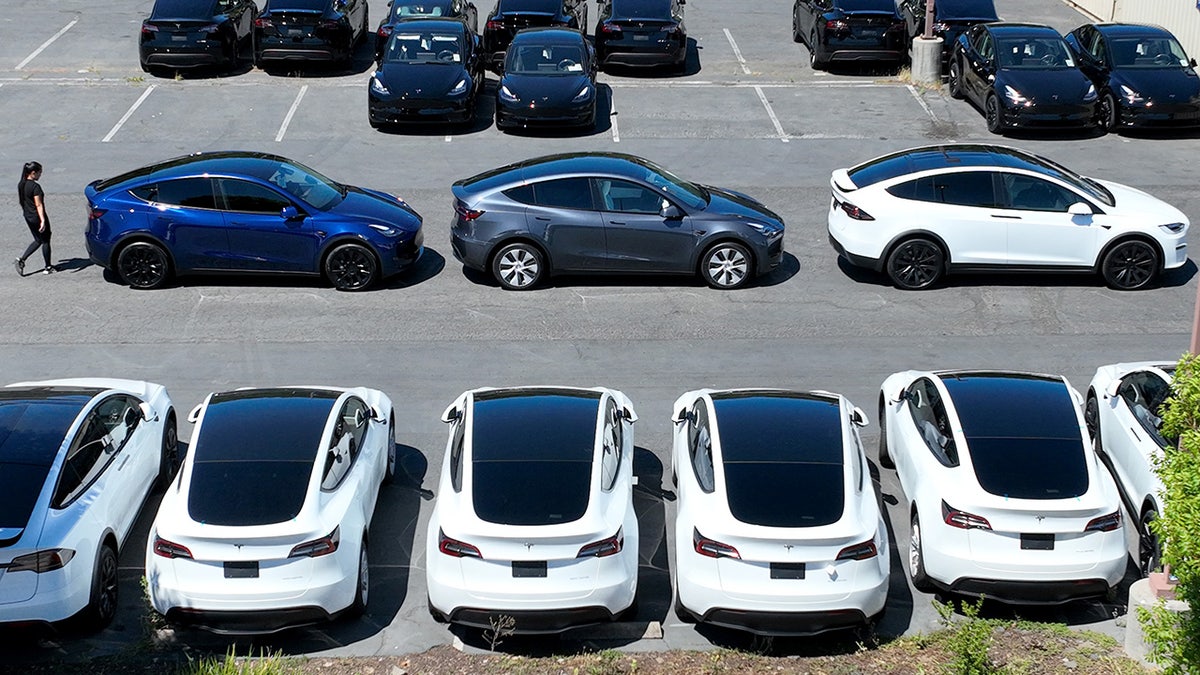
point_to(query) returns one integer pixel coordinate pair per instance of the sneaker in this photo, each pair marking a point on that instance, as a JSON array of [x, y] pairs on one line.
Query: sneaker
[[48, 270], [19, 265]]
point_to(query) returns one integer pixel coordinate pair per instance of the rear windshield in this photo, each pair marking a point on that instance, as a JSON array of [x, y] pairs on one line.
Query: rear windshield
[[867, 5], [802, 494], [183, 9], [532, 456], [965, 9], [642, 9], [255, 454], [308, 5], [31, 434], [405, 8], [516, 6]]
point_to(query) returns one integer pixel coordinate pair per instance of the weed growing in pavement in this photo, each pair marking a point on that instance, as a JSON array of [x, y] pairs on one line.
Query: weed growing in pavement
[[608, 662], [968, 640], [502, 626], [265, 664]]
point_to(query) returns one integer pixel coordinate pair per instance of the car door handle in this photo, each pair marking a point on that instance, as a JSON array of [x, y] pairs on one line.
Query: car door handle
[[121, 464], [997, 215], [542, 218], [616, 222]]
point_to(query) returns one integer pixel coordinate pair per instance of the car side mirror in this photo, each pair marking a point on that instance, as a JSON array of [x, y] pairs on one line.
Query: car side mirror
[[289, 213], [681, 416], [452, 414], [1079, 209], [194, 415], [670, 212], [629, 415], [1113, 388], [858, 417], [147, 412], [1192, 62]]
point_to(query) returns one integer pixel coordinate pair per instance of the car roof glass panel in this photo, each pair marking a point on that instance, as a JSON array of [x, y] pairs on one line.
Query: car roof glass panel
[[183, 9], [785, 495], [965, 9], [535, 425], [515, 6], [263, 424], [779, 427], [867, 5], [309, 5], [642, 9]]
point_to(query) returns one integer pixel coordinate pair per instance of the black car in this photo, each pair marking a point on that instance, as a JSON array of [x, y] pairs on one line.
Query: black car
[[310, 30], [399, 10], [641, 33], [1141, 73], [608, 212], [548, 78], [197, 33], [510, 16], [431, 71], [1021, 75], [950, 19], [849, 30]]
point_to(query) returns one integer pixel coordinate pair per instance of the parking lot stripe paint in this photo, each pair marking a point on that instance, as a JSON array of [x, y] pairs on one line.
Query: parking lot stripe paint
[[449, 138], [736, 52], [128, 113], [291, 111], [612, 119], [45, 44], [771, 113], [925, 106]]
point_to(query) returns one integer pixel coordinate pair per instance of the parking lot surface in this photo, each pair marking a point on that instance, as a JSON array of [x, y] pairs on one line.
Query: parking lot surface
[[748, 114]]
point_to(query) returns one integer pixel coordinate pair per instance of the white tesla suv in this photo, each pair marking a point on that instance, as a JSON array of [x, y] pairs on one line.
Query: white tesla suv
[[779, 530], [1006, 497], [534, 517]]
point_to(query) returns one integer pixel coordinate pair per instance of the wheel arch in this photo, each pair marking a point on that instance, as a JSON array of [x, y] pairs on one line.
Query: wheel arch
[[520, 239], [723, 238], [1124, 238], [915, 234], [141, 237], [347, 238]]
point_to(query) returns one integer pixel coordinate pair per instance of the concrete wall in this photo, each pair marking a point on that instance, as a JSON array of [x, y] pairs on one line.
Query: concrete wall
[[1181, 17]]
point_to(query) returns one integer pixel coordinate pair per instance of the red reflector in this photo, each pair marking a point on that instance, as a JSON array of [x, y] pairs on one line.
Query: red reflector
[[712, 548], [169, 549]]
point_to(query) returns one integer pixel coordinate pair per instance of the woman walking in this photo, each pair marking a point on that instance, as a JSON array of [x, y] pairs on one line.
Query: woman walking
[[33, 205]]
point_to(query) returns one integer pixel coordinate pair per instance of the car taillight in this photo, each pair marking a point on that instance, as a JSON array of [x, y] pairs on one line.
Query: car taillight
[[837, 26], [169, 549], [494, 24], [465, 213], [330, 24], [42, 561], [939, 28], [963, 520], [604, 547], [318, 547], [610, 28], [854, 212], [263, 22], [94, 213], [1108, 523], [148, 30], [384, 31], [712, 548], [456, 548], [863, 551]]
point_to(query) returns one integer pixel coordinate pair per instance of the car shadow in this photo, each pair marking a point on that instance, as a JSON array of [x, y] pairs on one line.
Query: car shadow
[[1159, 134], [430, 264], [691, 66], [865, 68], [1174, 278]]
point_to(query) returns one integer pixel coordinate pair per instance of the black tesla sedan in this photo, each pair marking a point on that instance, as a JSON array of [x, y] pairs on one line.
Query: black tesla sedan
[[310, 30], [849, 30], [548, 78], [1141, 73], [399, 10], [510, 16], [196, 33], [950, 19], [1021, 75], [588, 213], [431, 71], [641, 33]]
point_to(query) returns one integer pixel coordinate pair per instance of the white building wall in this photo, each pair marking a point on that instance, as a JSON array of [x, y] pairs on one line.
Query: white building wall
[[1181, 17]]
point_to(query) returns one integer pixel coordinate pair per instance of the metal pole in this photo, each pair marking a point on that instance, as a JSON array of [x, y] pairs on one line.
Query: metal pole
[[928, 35]]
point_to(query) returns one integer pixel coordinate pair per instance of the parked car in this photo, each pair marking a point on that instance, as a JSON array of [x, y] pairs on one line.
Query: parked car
[[917, 214], [1143, 76], [641, 33], [400, 10], [1006, 497], [267, 526], [1122, 413], [1022, 76], [849, 31], [310, 31], [432, 71], [950, 19], [246, 212], [509, 17], [78, 458], [608, 212], [548, 79], [778, 530], [181, 34], [534, 518]]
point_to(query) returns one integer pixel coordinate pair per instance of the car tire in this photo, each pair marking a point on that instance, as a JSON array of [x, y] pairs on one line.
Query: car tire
[[519, 266], [143, 265], [362, 585], [389, 472], [954, 79], [916, 264], [1110, 114], [1149, 551], [814, 62], [1130, 265], [1091, 420], [885, 459], [916, 558], [168, 462], [102, 603], [991, 114], [351, 267], [726, 265]]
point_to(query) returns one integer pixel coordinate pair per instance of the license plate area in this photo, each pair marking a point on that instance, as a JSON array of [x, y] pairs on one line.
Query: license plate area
[[1037, 542], [641, 38], [787, 570], [528, 569], [241, 569]]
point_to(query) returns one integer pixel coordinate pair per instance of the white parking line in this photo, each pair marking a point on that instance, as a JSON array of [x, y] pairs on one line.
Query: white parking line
[[449, 138], [612, 119], [128, 113], [925, 106], [736, 52], [45, 44], [771, 113], [291, 111]]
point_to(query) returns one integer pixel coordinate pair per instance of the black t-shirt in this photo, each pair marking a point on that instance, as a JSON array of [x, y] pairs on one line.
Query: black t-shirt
[[29, 190]]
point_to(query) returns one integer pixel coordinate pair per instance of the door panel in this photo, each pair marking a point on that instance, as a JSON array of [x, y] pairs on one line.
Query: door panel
[[639, 239], [259, 238], [1040, 231]]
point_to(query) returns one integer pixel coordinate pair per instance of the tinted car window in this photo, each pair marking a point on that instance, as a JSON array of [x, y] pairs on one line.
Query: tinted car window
[[183, 9], [1034, 53], [1145, 393], [195, 193], [625, 197], [547, 6], [284, 5], [866, 5], [100, 437], [1148, 52], [645, 9], [966, 188], [523, 194], [700, 447], [246, 197], [1029, 193], [31, 434], [422, 8], [564, 193]]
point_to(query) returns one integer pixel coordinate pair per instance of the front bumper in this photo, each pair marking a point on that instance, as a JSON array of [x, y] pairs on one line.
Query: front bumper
[[409, 111], [1048, 116], [572, 116], [1186, 116]]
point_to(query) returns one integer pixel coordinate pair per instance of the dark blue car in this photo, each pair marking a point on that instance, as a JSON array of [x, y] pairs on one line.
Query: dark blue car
[[246, 212]]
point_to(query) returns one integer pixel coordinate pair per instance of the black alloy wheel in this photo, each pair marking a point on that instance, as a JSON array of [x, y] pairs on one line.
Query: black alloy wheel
[[991, 113], [362, 587], [389, 474], [1110, 114], [102, 604], [954, 79], [1130, 265], [1149, 552], [916, 264], [351, 267], [1091, 419], [813, 61], [916, 558], [143, 265], [169, 461]]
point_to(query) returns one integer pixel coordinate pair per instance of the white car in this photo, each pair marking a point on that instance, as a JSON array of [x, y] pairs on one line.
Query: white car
[[1005, 495], [918, 214], [534, 517], [779, 530], [78, 458], [1122, 415], [266, 527]]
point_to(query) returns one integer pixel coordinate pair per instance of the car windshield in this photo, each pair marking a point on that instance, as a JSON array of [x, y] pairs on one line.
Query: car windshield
[[1148, 53], [424, 48], [692, 195], [307, 185], [1083, 183], [541, 59], [439, 8], [1034, 53]]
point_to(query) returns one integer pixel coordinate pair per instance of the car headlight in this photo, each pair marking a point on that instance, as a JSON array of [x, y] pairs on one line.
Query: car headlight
[[460, 88], [766, 229], [1090, 94], [507, 95], [385, 230], [378, 87], [1174, 228], [1015, 97], [583, 95], [1131, 97]]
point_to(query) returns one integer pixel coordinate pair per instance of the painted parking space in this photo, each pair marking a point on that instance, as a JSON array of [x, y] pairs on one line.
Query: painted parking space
[[804, 111], [52, 111], [207, 116], [648, 111]]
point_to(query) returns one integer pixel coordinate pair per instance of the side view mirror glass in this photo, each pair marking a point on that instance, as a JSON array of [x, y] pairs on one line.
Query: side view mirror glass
[[1192, 62], [628, 414], [452, 414], [1079, 209]]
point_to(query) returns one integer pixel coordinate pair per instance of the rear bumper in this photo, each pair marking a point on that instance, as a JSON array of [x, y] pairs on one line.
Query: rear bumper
[[248, 622], [191, 56], [785, 623], [652, 55], [1030, 592], [867, 262], [533, 621]]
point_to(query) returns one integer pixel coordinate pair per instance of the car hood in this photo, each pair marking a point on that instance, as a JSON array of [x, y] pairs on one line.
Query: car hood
[[1135, 203], [372, 205], [1039, 85], [1158, 84], [730, 203], [545, 89], [405, 80]]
